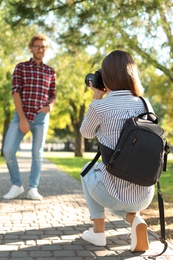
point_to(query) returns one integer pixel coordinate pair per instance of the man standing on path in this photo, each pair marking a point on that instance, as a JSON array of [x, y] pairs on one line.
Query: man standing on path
[[34, 93]]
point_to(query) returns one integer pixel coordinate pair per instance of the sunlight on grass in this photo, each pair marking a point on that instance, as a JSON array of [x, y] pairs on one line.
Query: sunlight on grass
[[70, 164], [67, 154], [1, 160], [166, 181]]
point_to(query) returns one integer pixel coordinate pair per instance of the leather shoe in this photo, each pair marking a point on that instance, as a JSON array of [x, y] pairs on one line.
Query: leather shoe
[[14, 192], [139, 242], [34, 195], [97, 239]]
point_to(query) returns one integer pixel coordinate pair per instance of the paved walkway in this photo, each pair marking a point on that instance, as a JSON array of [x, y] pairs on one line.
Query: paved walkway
[[51, 229]]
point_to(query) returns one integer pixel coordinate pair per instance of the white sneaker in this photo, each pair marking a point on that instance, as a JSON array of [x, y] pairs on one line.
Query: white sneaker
[[14, 192], [139, 236], [34, 195], [97, 239]]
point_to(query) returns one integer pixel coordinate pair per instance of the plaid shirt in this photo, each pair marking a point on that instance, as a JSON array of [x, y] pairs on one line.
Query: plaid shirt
[[36, 85]]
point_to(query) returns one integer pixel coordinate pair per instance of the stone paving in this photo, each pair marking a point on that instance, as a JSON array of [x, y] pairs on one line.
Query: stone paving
[[51, 228]]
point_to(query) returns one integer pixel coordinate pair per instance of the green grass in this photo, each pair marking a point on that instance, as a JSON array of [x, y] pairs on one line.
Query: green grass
[[166, 182], [70, 164], [1, 160]]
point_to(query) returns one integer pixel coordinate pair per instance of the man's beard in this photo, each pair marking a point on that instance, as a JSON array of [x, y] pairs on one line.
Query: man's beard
[[38, 57]]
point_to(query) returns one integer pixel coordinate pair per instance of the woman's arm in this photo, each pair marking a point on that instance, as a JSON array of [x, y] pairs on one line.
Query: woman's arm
[[91, 121]]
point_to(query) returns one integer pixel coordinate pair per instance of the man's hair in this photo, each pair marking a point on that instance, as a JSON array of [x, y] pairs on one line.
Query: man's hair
[[36, 37], [120, 72]]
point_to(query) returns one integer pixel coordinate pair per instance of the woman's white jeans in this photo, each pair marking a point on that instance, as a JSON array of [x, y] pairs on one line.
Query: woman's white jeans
[[98, 198]]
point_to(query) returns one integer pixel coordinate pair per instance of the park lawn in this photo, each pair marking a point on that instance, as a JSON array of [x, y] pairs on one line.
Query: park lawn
[[73, 166], [2, 160], [67, 162]]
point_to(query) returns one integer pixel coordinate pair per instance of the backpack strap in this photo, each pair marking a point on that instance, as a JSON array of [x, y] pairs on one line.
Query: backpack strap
[[91, 164], [167, 151], [154, 119], [150, 115], [145, 103], [106, 153], [162, 219]]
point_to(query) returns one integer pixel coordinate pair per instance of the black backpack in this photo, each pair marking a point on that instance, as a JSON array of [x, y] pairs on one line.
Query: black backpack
[[139, 157]]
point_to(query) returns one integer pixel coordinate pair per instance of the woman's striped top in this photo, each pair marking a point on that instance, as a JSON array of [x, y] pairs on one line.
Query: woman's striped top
[[104, 119]]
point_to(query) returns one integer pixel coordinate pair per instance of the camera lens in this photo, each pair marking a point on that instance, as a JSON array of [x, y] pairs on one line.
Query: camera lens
[[89, 77], [97, 80]]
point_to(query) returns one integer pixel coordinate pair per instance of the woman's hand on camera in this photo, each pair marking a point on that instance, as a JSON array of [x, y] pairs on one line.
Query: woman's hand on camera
[[98, 92]]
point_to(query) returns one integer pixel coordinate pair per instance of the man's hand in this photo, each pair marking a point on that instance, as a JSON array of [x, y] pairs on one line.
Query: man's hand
[[46, 109], [24, 125]]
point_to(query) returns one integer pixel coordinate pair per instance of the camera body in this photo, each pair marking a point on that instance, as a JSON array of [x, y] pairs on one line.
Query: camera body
[[96, 79]]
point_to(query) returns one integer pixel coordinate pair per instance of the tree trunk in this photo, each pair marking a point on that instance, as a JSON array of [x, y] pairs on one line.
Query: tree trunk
[[79, 143], [76, 123], [6, 125]]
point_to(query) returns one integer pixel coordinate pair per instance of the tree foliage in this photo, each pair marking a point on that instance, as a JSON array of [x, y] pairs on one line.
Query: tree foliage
[[144, 26], [141, 27], [73, 96]]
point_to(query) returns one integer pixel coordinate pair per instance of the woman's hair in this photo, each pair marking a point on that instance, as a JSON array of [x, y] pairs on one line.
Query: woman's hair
[[36, 37], [119, 72]]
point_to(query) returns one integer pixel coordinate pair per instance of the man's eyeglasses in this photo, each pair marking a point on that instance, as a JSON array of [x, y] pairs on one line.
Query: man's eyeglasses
[[37, 47]]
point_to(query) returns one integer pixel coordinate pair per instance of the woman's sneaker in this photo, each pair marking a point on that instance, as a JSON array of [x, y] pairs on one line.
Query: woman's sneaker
[[97, 239], [139, 236]]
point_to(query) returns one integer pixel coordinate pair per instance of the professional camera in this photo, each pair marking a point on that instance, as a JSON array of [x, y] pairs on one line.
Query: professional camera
[[96, 79]]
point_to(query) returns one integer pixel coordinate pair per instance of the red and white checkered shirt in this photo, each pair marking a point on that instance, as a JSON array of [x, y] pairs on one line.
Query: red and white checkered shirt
[[36, 85]]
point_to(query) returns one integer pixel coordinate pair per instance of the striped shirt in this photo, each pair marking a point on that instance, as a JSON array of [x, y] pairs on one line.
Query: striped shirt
[[104, 119], [36, 85]]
